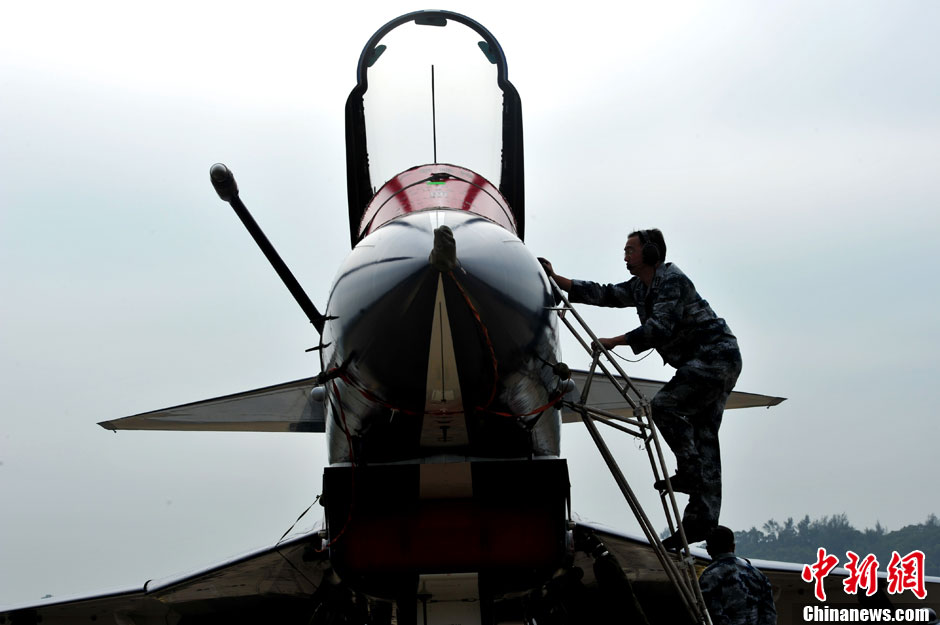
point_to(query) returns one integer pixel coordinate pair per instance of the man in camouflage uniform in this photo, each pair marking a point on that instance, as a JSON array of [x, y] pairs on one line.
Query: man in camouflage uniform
[[735, 592], [683, 328]]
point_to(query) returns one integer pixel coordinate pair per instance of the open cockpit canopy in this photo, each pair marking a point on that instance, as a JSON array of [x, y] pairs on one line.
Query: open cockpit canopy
[[432, 88]]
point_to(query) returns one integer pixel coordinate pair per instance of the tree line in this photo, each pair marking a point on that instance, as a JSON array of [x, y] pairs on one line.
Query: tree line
[[798, 542]]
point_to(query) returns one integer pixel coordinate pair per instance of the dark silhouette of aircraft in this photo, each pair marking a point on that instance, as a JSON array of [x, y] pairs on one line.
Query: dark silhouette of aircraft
[[445, 499]]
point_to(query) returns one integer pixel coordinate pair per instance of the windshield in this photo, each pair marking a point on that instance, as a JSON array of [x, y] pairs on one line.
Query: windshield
[[432, 97]]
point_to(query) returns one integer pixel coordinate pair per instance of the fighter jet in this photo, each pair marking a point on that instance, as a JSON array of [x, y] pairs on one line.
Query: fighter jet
[[440, 389]]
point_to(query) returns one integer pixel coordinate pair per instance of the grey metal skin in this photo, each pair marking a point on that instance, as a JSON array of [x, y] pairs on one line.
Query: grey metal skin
[[378, 339]]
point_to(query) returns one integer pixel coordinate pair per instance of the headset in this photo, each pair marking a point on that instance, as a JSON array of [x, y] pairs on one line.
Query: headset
[[651, 252]]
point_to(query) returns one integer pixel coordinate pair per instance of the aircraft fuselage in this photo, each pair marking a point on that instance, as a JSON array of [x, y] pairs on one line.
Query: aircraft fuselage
[[455, 359], [441, 419]]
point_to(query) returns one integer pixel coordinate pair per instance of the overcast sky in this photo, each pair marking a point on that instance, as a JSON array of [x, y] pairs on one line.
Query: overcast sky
[[789, 152]]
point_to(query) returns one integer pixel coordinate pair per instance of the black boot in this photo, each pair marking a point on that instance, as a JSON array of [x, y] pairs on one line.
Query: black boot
[[681, 483]]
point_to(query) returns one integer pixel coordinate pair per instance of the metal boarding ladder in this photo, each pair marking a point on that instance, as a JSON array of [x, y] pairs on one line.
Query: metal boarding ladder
[[683, 576]]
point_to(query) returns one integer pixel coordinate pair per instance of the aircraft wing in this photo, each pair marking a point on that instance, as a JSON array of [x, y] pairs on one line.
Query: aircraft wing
[[290, 407], [791, 594], [605, 396], [297, 407], [287, 583], [275, 582]]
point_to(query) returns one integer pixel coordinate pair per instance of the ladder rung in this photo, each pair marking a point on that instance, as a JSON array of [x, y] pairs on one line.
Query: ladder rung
[[609, 415]]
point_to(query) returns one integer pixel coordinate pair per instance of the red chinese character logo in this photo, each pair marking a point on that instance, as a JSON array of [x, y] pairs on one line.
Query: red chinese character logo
[[862, 574], [907, 573], [817, 571]]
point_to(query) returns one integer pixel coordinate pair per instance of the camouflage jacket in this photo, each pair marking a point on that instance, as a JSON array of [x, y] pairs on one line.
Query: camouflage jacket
[[736, 593], [673, 316]]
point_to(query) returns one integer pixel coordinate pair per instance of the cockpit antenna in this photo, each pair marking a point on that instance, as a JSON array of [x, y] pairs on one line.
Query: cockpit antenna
[[433, 116]]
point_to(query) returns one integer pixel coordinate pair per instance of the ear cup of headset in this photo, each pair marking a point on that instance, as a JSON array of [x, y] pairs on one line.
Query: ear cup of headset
[[651, 253]]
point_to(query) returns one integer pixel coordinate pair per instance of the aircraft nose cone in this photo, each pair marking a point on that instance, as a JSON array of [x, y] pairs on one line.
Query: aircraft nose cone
[[444, 253]]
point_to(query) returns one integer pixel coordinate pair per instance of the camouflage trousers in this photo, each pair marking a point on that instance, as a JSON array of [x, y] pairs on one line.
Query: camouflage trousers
[[688, 411]]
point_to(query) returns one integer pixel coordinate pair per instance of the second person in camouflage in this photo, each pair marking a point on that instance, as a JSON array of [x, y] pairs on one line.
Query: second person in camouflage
[[735, 592]]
